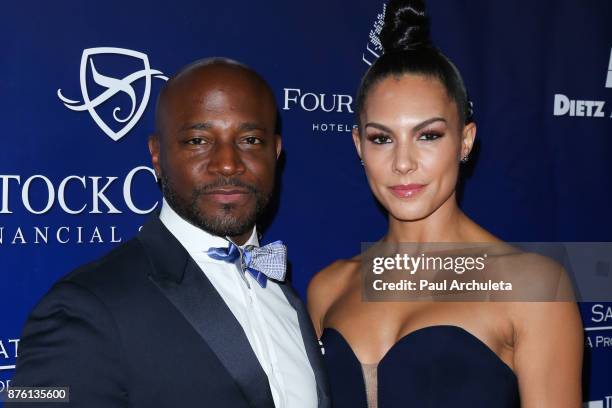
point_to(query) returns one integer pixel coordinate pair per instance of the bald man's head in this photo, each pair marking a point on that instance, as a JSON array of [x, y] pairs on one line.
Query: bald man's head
[[215, 146], [218, 70]]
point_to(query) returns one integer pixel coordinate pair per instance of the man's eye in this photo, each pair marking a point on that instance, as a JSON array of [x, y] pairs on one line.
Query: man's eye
[[252, 140], [196, 141], [380, 139]]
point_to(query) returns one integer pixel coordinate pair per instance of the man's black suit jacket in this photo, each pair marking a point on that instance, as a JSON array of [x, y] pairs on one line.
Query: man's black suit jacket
[[144, 327]]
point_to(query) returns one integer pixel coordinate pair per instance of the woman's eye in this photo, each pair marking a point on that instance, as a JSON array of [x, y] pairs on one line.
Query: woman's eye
[[380, 139], [429, 136]]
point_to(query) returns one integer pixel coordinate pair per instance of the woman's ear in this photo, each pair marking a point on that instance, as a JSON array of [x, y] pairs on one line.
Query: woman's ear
[[467, 139], [357, 141]]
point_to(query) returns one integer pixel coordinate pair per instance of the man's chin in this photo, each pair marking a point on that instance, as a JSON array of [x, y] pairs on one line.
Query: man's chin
[[226, 230], [226, 222]]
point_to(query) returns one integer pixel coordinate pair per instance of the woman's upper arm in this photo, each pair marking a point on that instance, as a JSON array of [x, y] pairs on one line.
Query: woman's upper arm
[[549, 344]]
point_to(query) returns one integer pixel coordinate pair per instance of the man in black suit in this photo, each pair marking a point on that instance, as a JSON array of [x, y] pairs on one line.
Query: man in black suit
[[184, 315]]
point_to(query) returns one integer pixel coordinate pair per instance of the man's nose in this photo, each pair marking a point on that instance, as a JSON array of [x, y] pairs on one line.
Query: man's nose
[[226, 160]]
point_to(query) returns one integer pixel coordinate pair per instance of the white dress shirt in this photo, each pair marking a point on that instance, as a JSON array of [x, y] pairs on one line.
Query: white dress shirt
[[269, 321]]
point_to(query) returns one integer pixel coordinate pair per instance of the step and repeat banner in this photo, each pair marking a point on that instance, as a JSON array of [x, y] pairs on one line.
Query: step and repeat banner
[[78, 83]]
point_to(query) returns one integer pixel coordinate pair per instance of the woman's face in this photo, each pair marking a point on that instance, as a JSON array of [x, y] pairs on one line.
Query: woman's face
[[411, 144]]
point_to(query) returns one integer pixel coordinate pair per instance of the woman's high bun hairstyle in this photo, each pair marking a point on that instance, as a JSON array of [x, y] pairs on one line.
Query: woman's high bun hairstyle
[[408, 50]]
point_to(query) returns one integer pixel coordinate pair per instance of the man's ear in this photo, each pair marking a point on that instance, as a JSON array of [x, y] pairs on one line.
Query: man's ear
[[279, 145], [357, 141], [154, 151], [468, 136]]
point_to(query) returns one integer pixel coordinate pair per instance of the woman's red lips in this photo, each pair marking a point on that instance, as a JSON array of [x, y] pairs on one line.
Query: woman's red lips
[[407, 190]]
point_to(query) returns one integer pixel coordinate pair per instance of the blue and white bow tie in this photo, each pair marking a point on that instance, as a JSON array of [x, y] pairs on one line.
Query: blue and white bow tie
[[268, 261]]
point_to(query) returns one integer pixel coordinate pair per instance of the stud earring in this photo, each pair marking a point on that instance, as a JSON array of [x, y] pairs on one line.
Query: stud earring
[[362, 163], [465, 159]]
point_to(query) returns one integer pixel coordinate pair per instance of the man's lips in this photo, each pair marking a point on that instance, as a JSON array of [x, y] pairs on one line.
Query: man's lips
[[228, 195], [407, 190]]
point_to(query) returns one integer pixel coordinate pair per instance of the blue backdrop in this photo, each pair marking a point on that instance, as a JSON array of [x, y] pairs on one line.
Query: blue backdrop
[[75, 178]]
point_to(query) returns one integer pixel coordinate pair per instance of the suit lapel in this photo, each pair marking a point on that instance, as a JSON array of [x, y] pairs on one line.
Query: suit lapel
[[310, 344], [180, 279]]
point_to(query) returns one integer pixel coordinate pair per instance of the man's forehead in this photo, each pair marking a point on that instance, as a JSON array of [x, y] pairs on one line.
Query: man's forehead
[[219, 103], [215, 88], [213, 124], [214, 78], [220, 97]]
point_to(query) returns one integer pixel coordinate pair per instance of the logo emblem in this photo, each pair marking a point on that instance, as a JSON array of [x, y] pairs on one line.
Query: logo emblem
[[112, 87]]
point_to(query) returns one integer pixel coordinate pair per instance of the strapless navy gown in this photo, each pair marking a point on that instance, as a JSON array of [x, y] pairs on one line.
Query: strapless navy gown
[[436, 366]]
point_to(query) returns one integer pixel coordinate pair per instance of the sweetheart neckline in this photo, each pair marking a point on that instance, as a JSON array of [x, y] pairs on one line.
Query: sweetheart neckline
[[416, 333]]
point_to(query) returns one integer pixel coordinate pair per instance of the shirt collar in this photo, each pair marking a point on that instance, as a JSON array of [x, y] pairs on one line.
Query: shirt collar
[[193, 238]]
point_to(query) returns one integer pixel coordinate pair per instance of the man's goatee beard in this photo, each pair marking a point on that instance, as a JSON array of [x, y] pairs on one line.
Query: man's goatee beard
[[224, 222]]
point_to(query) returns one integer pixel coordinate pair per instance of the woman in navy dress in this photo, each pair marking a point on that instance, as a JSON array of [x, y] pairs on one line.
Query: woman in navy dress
[[414, 131]]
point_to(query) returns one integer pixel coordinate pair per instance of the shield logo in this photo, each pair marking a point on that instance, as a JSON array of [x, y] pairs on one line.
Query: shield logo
[[113, 86]]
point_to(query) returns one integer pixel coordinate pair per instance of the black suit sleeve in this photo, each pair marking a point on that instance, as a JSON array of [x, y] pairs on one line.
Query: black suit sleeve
[[70, 339]]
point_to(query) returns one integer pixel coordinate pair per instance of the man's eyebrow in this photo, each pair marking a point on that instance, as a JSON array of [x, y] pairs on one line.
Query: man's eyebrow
[[252, 126], [208, 125], [196, 126]]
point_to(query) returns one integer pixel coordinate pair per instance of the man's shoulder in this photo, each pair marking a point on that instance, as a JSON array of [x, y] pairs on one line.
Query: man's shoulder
[[123, 263]]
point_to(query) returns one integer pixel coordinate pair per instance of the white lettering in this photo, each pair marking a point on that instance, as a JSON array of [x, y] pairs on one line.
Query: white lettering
[[347, 104], [5, 192], [609, 77], [39, 234], [18, 236], [58, 235], [561, 105], [3, 352], [303, 104], [329, 109], [565, 106], [127, 190], [99, 195], [601, 313], [79, 235], [96, 236], [289, 99], [25, 194], [113, 239], [37, 200], [4, 386], [599, 113], [311, 101], [15, 342], [61, 196]]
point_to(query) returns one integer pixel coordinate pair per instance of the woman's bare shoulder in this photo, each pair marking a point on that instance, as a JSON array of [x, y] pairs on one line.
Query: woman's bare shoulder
[[328, 285], [333, 277]]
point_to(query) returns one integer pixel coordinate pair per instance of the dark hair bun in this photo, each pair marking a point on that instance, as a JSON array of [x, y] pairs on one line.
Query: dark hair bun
[[406, 26]]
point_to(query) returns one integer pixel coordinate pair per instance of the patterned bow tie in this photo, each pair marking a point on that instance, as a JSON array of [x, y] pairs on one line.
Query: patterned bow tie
[[267, 261]]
